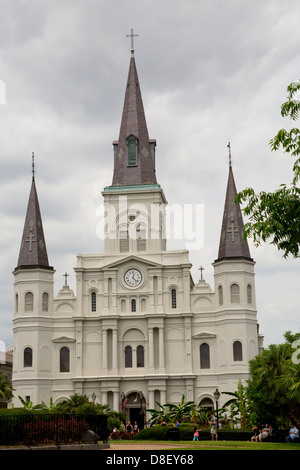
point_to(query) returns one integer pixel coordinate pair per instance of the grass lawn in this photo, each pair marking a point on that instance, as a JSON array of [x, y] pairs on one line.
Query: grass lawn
[[212, 445]]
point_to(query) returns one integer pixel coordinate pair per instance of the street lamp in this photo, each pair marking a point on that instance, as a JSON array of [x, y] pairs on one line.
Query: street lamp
[[217, 395], [141, 413]]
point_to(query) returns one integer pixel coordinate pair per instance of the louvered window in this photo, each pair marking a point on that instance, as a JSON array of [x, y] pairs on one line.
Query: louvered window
[[45, 302], [249, 294], [141, 239], [132, 152], [124, 241], [28, 302], [235, 294]]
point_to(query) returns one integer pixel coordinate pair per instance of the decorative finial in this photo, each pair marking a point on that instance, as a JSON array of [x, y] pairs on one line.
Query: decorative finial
[[131, 35], [33, 168], [66, 278], [229, 147]]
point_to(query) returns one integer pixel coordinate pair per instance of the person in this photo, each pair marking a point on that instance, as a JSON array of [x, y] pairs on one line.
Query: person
[[255, 433], [163, 423], [177, 424], [213, 427], [263, 434], [196, 434], [129, 427], [293, 434], [135, 427]]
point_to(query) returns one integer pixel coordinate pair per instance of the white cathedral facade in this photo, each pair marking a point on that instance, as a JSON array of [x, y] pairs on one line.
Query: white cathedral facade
[[138, 322]]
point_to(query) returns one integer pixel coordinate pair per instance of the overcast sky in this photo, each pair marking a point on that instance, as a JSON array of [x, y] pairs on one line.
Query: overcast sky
[[210, 72]]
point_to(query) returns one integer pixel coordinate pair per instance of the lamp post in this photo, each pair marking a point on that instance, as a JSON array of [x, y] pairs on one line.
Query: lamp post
[[217, 395], [141, 413]]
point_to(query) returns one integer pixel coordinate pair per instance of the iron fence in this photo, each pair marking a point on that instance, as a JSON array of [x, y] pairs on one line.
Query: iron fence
[[35, 429]]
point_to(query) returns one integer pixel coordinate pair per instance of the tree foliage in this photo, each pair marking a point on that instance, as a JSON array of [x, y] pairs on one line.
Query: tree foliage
[[276, 215], [274, 385]]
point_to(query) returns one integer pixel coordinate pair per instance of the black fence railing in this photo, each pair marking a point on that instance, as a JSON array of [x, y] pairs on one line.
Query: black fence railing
[[35, 429]]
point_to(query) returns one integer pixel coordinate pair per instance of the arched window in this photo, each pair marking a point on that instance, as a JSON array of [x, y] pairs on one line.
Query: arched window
[[133, 305], [128, 356], [27, 357], [17, 303], [28, 302], [64, 359], [249, 294], [173, 298], [93, 301], [141, 238], [220, 291], [45, 302], [132, 146], [124, 239], [204, 356], [140, 362], [237, 351], [235, 294]]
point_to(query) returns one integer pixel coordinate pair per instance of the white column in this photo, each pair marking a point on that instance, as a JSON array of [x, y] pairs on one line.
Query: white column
[[116, 401], [151, 348], [115, 350], [161, 348], [104, 349]]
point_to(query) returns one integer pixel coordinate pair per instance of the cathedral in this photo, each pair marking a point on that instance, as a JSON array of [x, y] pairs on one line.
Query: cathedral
[[138, 330]]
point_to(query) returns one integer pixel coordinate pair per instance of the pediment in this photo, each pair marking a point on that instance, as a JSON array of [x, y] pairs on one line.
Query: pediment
[[132, 259], [204, 335], [63, 339]]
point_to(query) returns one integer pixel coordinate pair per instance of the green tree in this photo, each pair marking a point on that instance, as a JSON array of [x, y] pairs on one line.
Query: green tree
[[276, 215], [274, 385], [239, 404], [182, 411], [5, 387], [157, 416]]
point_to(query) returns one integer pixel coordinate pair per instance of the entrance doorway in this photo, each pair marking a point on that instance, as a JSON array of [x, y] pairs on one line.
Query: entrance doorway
[[135, 409]]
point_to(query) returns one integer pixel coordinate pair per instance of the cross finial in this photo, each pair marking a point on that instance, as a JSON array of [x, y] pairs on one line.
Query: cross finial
[[66, 278], [229, 147], [33, 168], [132, 35], [201, 269]]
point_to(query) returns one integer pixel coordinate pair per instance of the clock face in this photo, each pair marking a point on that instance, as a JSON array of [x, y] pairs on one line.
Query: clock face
[[133, 277]]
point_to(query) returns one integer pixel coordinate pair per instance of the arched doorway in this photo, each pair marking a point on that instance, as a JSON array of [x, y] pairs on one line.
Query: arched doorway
[[135, 409]]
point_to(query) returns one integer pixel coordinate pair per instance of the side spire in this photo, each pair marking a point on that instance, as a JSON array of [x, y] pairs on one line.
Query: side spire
[[33, 251], [232, 243], [134, 162]]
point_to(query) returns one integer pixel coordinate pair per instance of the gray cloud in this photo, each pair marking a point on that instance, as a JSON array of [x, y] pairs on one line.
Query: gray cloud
[[210, 72]]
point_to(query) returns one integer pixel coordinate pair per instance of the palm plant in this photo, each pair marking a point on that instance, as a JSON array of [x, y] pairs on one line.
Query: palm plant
[[182, 411], [239, 404]]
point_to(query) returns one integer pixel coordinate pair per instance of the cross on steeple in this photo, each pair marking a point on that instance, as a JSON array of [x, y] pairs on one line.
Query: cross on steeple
[[232, 229], [31, 239], [66, 278], [229, 147], [132, 35], [201, 269]]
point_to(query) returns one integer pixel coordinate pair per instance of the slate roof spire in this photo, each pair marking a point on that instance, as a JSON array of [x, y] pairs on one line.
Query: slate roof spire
[[232, 243], [33, 251], [134, 152]]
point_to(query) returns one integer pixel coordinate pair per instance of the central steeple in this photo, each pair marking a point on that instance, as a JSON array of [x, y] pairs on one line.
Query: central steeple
[[134, 152]]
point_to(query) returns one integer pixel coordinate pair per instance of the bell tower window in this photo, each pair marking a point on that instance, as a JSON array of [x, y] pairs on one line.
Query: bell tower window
[[132, 150]]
